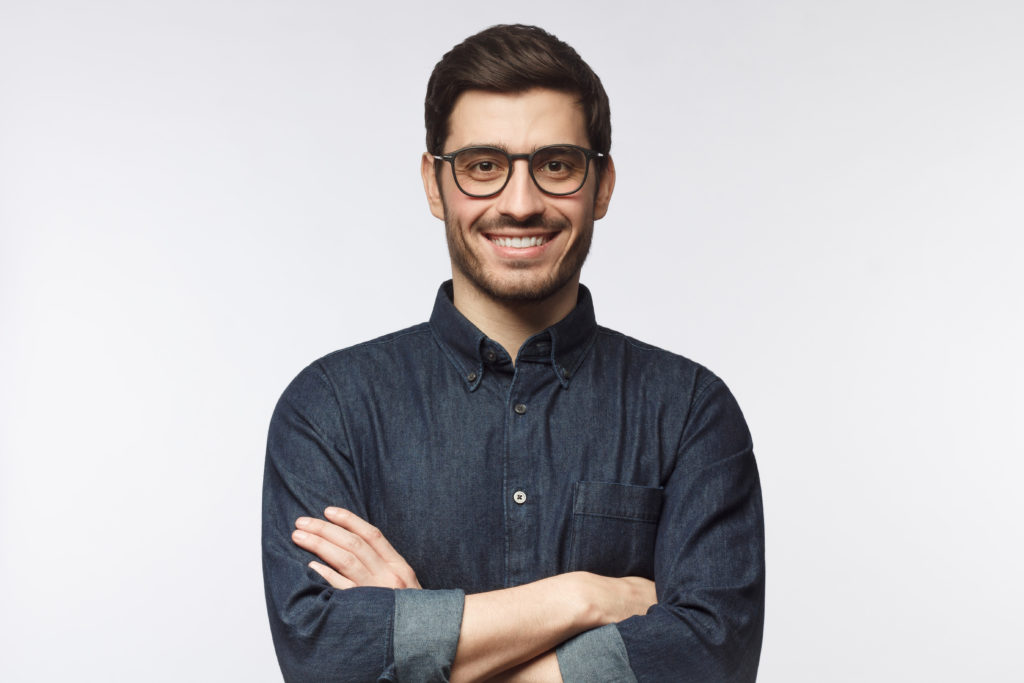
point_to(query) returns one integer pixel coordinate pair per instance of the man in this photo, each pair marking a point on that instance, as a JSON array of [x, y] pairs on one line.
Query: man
[[511, 492]]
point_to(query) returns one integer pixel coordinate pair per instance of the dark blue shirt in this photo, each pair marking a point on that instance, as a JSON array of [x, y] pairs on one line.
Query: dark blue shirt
[[592, 452]]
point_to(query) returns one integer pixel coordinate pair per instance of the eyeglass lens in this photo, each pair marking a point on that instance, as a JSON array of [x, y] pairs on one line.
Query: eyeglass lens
[[555, 169]]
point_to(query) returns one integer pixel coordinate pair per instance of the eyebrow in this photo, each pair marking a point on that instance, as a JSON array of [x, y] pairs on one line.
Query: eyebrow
[[503, 147], [495, 145]]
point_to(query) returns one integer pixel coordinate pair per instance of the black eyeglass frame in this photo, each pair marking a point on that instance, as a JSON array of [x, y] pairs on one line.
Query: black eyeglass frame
[[512, 158]]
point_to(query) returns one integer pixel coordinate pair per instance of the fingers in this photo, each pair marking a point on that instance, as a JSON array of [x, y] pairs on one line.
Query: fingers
[[364, 530], [332, 577], [372, 536], [355, 551], [340, 549]]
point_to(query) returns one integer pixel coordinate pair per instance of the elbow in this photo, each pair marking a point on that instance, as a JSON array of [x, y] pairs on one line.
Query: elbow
[[708, 640], [334, 635]]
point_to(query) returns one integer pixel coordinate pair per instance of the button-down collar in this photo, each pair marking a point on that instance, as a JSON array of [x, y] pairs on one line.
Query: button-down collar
[[564, 345]]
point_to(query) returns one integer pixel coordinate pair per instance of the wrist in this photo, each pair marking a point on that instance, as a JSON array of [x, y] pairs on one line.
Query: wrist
[[605, 600], [586, 593]]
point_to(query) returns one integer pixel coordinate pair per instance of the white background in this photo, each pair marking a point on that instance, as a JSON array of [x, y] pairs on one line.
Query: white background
[[821, 201]]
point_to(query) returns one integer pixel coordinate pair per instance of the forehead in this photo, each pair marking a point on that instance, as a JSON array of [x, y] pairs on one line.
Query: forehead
[[518, 121]]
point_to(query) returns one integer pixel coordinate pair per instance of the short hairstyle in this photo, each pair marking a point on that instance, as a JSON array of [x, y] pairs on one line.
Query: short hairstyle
[[513, 58]]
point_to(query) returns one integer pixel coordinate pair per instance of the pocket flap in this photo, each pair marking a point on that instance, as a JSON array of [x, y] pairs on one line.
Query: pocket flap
[[619, 501]]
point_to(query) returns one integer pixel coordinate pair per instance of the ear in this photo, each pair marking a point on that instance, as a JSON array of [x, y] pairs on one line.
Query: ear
[[604, 189], [430, 186]]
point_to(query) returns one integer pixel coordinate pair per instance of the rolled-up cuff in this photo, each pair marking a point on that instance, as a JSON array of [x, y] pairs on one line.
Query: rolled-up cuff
[[427, 624], [596, 655]]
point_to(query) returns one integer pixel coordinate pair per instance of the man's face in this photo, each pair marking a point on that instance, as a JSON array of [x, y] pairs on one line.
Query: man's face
[[486, 235]]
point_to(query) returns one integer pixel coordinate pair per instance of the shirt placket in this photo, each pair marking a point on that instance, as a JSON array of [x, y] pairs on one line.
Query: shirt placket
[[525, 411]]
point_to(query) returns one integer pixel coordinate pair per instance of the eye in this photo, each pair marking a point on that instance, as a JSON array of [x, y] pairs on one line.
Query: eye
[[559, 167], [559, 163], [481, 163]]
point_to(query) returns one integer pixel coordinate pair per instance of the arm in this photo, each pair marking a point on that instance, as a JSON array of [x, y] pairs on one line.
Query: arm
[[512, 630], [321, 633], [709, 563]]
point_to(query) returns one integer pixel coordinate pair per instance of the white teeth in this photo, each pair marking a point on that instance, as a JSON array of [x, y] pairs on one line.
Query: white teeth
[[519, 242]]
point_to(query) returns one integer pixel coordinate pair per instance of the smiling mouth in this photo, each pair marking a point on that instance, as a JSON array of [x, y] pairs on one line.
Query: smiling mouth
[[519, 242]]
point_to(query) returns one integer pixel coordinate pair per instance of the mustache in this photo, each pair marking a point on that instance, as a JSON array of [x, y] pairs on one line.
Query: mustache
[[552, 224]]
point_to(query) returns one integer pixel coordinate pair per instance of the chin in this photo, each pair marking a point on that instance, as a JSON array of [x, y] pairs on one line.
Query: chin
[[514, 289]]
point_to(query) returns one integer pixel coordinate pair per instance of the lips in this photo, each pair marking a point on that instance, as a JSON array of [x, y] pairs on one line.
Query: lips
[[532, 233]]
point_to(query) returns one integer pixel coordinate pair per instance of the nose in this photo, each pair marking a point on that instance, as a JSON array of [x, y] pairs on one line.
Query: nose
[[521, 197]]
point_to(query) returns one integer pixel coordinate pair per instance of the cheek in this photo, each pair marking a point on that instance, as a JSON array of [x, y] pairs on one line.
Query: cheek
[[464, 210], [578, 210]]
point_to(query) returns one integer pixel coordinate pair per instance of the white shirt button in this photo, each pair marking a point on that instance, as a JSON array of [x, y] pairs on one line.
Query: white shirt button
[[519, 497]]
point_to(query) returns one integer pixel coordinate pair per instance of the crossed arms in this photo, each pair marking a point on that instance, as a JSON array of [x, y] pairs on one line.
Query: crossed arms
[[511, 632], [357, 613]]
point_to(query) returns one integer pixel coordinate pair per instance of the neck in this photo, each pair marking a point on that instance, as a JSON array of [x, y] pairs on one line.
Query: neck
[[510, 323]]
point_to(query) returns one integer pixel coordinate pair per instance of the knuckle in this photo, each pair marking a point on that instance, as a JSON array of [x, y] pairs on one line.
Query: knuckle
[[349, 542]]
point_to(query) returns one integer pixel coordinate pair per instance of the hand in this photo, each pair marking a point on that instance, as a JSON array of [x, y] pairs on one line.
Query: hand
[[356, 552]]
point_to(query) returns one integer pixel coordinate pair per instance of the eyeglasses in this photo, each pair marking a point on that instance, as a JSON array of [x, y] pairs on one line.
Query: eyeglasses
[[556, 169]]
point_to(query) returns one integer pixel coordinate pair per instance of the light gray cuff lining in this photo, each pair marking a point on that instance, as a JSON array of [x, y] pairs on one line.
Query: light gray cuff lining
[[427, 624], [596, 655]]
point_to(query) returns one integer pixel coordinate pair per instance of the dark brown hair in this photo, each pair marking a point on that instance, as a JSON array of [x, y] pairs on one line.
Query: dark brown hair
[[514, 58]]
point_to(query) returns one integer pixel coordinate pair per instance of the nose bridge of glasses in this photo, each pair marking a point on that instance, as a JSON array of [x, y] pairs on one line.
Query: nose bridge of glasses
[[526, 159], [521, 192]]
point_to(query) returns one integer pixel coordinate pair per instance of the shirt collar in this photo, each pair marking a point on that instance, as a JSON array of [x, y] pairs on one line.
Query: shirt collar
[[563, 345]]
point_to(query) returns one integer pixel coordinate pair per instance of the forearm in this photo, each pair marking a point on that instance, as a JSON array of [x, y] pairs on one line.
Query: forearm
[[542, 669], [506, 628]]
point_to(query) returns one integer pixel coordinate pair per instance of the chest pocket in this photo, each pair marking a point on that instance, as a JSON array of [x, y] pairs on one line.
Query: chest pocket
[[614, 528]]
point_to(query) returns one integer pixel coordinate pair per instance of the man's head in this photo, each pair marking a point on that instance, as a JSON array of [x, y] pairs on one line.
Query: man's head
[[517, 89]]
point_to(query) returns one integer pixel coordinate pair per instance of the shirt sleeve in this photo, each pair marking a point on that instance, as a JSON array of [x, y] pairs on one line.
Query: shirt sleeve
[[709, 565], [597, 655], [321, 633]]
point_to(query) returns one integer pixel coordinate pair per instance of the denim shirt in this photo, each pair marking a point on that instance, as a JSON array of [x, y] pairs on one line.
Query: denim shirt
[[592, 452]]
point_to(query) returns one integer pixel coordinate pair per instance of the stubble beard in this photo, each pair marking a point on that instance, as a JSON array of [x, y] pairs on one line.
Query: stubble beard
[[524, 289]]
